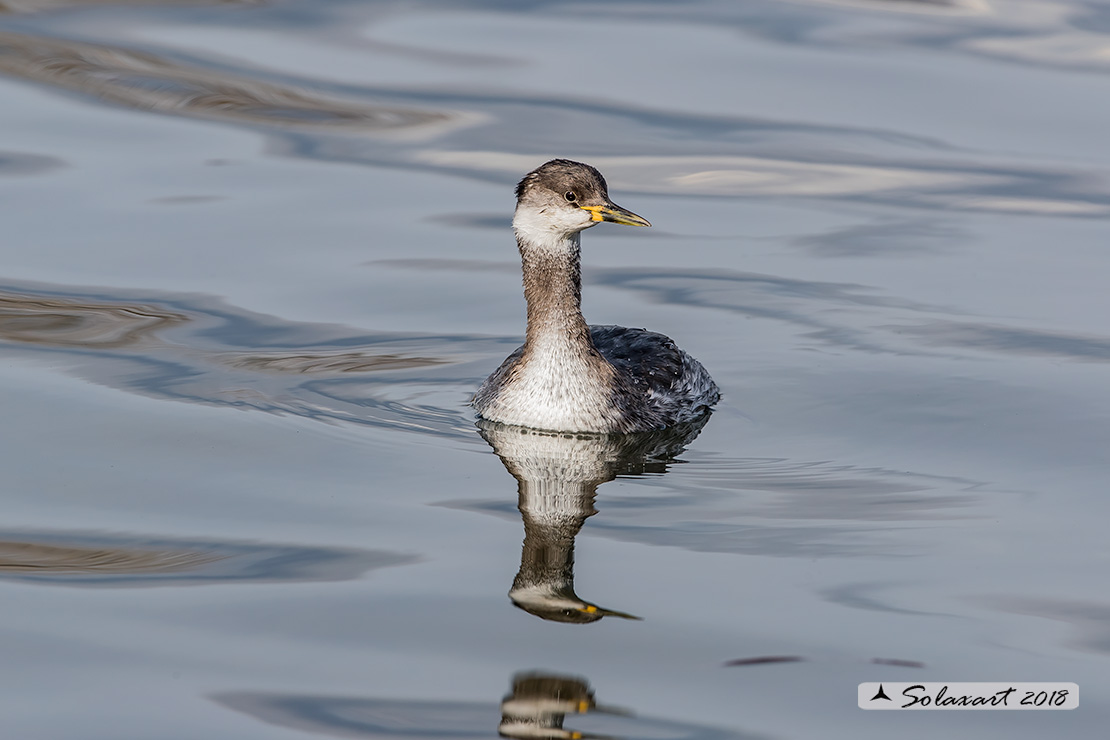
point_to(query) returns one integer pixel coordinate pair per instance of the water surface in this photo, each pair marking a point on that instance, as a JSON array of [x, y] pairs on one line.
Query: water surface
[[257, 256]]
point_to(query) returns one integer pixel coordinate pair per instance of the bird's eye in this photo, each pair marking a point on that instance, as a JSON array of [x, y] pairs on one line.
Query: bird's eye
[[570, 196]]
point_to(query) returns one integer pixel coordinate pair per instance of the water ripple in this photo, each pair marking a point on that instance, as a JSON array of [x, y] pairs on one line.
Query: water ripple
[[114, 561], [38, 6], [198, 350], [150, 82], [1089, 620], [953, 185], [1011, 340], [21, 163]]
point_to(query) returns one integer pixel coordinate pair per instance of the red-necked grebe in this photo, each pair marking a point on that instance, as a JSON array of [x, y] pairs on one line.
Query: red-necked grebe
[[568, 376]]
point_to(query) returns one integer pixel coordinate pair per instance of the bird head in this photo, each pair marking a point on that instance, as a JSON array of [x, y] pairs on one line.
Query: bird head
[[561, 198]]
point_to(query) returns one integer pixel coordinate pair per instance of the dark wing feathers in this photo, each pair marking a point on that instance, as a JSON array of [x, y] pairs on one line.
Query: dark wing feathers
[[650, 360]]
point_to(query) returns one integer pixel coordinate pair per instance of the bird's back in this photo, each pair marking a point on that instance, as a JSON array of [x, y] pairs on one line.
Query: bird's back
[[672, 385]]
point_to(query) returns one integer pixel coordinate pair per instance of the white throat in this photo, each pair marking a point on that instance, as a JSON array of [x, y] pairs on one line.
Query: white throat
[[550, 229]]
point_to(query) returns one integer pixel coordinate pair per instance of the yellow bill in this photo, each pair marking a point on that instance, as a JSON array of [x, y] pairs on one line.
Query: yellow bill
[[613, 213]]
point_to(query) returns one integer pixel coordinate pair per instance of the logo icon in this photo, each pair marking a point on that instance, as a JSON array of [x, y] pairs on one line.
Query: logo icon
[[880, 694]]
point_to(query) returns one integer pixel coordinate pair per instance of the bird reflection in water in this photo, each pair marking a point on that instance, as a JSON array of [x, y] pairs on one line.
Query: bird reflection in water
[[557, 479], [534, 709], [540, 701]]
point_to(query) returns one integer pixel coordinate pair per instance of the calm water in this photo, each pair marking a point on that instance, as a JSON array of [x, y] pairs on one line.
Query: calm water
[[256, 257]]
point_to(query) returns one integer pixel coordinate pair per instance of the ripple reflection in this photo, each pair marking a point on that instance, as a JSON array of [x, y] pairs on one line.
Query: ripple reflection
[[198, 350], [38, 6], [1088, 620], [68, 322], [146, 81], [115, 561], [951, 184]]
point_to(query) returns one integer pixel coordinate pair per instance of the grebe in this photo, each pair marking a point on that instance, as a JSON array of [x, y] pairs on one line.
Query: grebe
[[570, 377]]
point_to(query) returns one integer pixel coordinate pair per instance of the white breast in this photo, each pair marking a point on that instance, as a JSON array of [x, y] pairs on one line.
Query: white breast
[[556, 388]]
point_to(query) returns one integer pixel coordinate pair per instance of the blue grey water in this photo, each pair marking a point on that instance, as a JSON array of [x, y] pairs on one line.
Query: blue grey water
[[256, 256]]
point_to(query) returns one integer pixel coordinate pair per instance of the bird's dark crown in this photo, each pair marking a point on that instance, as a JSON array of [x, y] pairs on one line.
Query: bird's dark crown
[[563, 175]]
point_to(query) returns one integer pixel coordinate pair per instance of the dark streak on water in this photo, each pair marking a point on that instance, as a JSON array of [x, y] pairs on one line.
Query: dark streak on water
[[107, 561]]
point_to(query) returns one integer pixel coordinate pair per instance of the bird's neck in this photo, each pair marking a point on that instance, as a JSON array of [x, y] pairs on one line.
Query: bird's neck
[[560, 381], [553, 291]]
